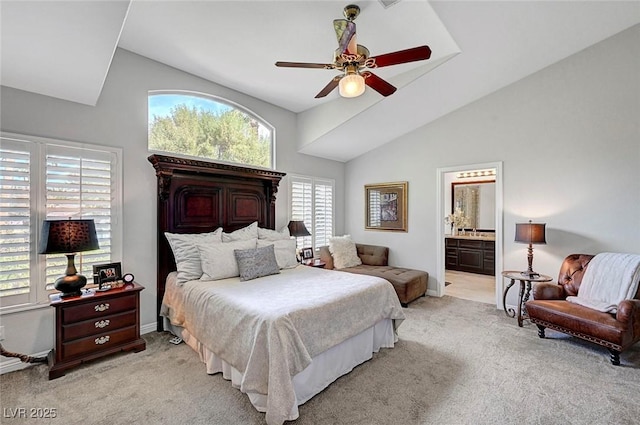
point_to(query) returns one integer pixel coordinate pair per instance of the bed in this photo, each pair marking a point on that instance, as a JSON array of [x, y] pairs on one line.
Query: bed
[[317, 324]]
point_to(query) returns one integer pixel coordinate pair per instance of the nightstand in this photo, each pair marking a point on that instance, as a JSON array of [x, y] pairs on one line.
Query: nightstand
[[94, 325], [315, 263]]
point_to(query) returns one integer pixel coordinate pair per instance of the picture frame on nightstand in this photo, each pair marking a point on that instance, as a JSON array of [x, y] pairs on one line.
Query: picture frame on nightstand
[[306, 253], [103, 274]]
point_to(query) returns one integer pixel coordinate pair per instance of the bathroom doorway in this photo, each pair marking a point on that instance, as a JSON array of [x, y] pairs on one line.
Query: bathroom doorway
[[470, 252]]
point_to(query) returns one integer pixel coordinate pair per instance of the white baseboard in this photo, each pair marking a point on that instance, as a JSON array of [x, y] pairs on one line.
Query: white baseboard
[[148, 328], [15, 364]]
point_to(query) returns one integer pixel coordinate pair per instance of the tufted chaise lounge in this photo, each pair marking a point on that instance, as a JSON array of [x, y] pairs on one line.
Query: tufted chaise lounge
[[409, 284]]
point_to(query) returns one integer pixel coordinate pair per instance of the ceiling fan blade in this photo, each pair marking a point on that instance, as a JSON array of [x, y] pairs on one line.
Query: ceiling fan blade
[[346, 35], [306, 65], [401, 56], [378, 84], [329, 87]]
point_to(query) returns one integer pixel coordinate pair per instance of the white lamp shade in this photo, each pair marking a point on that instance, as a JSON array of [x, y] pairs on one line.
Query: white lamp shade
[[351, 85]]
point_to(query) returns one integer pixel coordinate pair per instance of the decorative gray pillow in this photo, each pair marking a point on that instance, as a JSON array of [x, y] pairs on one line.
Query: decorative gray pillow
[[257, 262]]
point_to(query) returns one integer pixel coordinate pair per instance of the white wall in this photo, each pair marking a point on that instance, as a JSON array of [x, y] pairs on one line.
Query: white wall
[[569, 139], [120, 119]]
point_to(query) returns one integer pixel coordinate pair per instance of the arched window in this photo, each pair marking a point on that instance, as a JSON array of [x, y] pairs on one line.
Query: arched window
[[202, 126]]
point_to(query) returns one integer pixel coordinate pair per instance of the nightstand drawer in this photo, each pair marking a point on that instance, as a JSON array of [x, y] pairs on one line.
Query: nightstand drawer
[[98, 342], [98, 308], [98, 325]]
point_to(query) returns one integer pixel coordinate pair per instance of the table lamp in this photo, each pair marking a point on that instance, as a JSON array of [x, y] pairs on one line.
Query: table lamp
[[531, 233], [69, 237], [297, 229]]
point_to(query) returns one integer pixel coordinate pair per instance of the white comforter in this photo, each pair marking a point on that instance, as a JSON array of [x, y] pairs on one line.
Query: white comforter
[[270, 328]]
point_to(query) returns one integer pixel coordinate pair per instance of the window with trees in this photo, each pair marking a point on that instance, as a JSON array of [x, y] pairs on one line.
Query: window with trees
[[312, 202], [51, 179], [206, 127]]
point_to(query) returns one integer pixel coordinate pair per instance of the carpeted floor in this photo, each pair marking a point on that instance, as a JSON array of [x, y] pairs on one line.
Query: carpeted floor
[[457, 362]]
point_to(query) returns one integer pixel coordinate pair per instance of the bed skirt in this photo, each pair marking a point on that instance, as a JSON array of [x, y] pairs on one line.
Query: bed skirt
[[325, 368]]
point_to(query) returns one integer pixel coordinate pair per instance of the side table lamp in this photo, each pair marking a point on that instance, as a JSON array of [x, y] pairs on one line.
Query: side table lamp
[[530, 233], [297, 229], [69, 237]]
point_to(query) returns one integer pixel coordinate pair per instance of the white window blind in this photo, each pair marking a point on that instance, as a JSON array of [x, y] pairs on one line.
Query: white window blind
[[312, 202], [46, 179], [16, 258], [302, 207], [79, 185], [323, 213]]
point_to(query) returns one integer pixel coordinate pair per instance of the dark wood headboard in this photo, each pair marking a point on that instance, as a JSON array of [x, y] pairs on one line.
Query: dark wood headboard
[[199, 196]]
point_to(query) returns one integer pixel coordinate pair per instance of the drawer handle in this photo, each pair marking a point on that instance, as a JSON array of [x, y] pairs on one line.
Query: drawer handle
[[102, 307], [102, 340], [102, 324]]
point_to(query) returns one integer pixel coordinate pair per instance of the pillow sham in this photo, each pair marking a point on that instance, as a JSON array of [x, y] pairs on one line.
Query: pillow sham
[[273, 235], [344, 252], [185, 251], [256, 262], [285, 250], [243, 234], [218, 260]]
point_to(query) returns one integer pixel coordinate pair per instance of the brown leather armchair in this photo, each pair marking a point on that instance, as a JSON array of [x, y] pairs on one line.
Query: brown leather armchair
[[549, 309]]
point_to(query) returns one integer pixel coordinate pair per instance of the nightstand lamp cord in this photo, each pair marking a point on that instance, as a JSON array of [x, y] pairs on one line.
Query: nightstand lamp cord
[[23, 357]]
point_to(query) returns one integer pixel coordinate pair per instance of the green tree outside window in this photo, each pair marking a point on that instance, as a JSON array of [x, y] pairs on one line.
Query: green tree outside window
[[200, 127]]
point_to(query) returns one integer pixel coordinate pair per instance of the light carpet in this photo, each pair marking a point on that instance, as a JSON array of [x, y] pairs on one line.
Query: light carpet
[[457, 362]]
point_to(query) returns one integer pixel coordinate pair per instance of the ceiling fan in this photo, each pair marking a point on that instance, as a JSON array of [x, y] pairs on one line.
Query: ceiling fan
[[353, 60]]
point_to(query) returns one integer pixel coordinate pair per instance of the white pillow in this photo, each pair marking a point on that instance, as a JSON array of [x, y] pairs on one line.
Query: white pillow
[[273, 235], [343, 251], [246, 233], [285, 250], [186, 253], [218, 260]]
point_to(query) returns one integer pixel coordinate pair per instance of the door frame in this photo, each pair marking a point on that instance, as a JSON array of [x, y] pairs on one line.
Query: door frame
[[441, 214]]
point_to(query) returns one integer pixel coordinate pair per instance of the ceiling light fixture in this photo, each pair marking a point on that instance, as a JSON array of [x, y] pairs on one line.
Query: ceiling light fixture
[[352, 84]]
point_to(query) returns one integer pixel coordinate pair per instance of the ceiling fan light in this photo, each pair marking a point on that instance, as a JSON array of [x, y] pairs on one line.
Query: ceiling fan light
[[351, 85]]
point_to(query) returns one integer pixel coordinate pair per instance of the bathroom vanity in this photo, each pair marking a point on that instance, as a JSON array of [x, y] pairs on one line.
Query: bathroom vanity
[[472, 253]]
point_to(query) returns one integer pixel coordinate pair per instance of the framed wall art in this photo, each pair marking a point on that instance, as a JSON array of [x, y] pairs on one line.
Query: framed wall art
[[386, 206]]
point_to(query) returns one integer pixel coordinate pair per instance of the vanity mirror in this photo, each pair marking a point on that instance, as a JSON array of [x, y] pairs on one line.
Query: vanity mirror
[[477, 200]]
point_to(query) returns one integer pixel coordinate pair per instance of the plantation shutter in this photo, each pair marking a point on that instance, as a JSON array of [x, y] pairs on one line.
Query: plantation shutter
[[323, 213], [16, 225], [312, 202], [79, 185], [302, 207]]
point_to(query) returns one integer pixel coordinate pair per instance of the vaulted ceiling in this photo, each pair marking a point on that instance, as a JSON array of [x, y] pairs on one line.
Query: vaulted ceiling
[[64, 49]]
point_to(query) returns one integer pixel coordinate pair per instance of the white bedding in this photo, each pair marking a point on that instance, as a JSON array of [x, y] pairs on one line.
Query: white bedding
[[269, 329]]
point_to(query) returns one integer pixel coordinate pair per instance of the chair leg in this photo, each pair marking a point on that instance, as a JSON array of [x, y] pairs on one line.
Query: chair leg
[[540, 331], [615, 357]]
